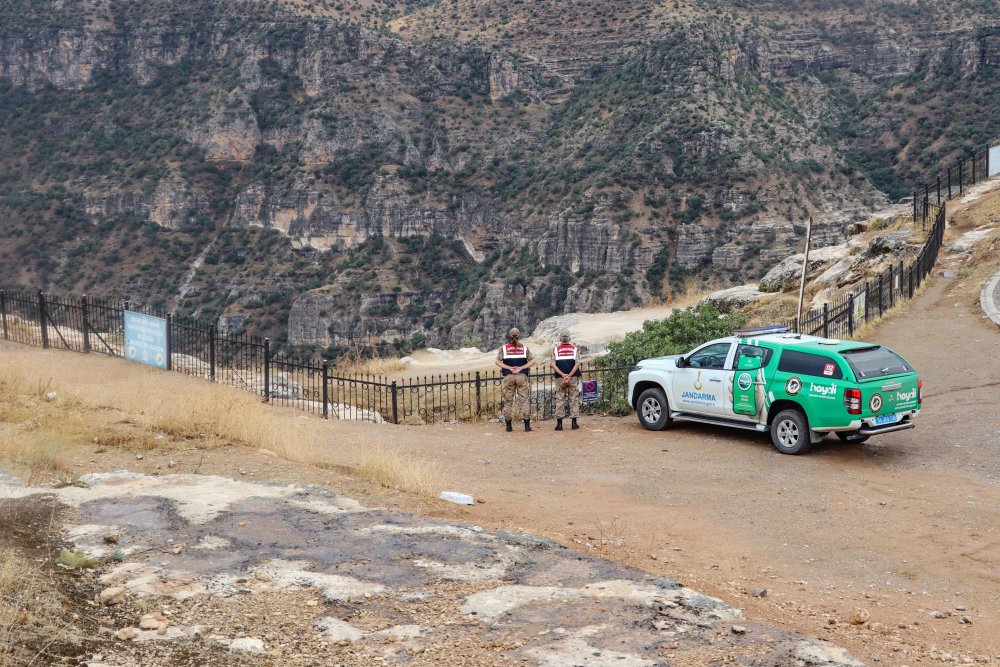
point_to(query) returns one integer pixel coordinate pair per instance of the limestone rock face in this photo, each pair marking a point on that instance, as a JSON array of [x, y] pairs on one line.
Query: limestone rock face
[[786, 275], [734, 298], [231, 133], [65, 59], [327, 317], [171, 204], [694, 247]]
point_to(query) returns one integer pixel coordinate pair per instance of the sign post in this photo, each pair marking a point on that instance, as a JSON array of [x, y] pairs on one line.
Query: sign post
[[146, 339]]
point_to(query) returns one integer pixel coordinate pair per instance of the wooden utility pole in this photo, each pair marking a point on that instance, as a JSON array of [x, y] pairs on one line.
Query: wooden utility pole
[[802, 280]]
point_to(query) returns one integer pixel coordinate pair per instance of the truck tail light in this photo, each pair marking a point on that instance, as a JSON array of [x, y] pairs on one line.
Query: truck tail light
[[920, 392], [852, 401]]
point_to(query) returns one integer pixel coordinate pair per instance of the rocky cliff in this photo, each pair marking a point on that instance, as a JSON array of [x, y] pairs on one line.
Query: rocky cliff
[[587, 165]]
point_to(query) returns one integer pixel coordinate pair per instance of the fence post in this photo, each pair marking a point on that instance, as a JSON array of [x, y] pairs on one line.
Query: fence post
[[892, 287], [973, 168], [395, 404], [927, 205], [961, 177], [850, 314], [939, 190], [211, 352], [267, 370], [3, 309], [914, 207], [326, 389], [949, 183], [170, 343], [479, 405], [41, 320], [86, 324], [826, 320], [881, 303]]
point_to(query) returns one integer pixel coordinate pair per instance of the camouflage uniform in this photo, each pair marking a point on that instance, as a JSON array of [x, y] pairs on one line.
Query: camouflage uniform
[[566, 365], [515, 383]]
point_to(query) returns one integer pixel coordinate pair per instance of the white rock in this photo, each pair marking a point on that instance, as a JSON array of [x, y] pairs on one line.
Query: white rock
[[457, 498], [247, 645]]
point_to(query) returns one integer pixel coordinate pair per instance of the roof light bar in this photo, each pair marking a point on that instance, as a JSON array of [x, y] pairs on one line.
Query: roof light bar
[[760, 331]]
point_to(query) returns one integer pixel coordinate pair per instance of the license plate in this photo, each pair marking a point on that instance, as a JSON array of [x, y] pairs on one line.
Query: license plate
[[886, 419]]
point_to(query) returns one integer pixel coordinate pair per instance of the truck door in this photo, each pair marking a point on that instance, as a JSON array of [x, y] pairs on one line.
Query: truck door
[[701, 387]]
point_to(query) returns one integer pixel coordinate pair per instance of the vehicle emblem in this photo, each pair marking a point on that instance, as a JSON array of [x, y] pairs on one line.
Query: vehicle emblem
[[875, 403], [793, 386], [697, 382]]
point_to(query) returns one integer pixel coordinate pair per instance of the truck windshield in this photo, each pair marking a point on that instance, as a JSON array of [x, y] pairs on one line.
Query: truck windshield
[[875, 362]]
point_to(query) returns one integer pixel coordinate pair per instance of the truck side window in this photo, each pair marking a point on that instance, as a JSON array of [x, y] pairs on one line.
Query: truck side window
[[753, 351], [803, 363], [712, 356]]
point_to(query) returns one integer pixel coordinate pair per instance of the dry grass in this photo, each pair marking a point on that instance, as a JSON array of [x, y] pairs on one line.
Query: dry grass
[[395, 470], [31, 612], [377, 366], [53, 402]]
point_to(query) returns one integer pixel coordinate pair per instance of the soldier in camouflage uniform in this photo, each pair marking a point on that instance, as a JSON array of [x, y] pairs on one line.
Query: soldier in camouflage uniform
[[515, 360], [566, 366]]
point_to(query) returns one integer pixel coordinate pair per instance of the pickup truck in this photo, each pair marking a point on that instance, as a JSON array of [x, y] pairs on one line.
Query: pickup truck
[[796, 387]]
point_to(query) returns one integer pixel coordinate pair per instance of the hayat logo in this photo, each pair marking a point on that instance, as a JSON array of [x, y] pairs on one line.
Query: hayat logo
[[908, 396], [823, 390]]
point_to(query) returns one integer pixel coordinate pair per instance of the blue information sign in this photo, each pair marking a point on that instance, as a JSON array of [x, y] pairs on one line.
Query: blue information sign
[[146, 339], [589, 394]]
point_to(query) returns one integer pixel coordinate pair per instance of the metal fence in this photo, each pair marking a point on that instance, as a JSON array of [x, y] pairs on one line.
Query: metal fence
[[193, 348], [843, 317], [950, 183]]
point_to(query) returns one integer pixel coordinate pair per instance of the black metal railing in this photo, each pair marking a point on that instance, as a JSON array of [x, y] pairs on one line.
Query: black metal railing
[[193, 348], [843, 317], [950, 183]]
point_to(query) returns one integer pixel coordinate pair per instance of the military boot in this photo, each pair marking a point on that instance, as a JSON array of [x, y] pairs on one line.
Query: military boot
[[558, 424], [509, 426], [575, 425], [527, 425]]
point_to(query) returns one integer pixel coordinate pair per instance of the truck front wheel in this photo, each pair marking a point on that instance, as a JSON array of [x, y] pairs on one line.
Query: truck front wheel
[[790, 432], [653, 410]]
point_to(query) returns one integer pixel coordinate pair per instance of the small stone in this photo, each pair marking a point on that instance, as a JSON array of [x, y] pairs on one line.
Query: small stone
[[311, 603], [247, 645], [52, 395], [262, 576], [759, 592], [242, 471], [171, 464], [177, 550], [126, 634], [111, 538], [960, 607], [859, 617], [879, 628], [152, 622], [111, 596], [139, 457], [934, 613], [965, 620], [739, 630]]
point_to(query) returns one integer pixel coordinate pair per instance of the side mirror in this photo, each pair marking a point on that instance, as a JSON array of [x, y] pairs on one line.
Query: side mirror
[[681, 362]]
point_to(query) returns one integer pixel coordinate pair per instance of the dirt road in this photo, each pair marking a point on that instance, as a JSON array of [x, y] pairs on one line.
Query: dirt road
[[903, 530]]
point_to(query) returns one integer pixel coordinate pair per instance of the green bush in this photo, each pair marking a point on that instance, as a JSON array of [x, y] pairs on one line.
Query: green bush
[[683, 330]]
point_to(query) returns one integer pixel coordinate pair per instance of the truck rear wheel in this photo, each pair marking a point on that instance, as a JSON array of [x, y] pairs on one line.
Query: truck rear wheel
[[790, 432], [653, 410]]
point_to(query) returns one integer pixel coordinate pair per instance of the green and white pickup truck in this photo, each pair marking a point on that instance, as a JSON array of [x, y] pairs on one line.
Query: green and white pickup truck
[[797, 387]]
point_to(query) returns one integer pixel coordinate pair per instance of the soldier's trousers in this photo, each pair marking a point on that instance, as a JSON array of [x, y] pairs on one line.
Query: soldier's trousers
[[567, 392], [513, 386]]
